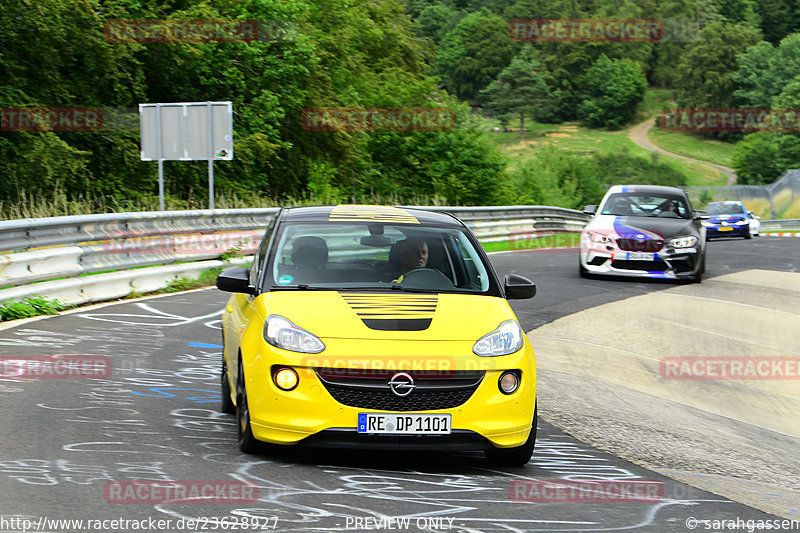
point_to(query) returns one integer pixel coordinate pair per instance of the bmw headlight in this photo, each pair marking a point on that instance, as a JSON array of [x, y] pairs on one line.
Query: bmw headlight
[[281, 333], [599, 238], [683, 242], [506, 339]]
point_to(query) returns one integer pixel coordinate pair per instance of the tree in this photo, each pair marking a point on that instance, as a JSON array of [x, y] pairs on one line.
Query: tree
[[611, 90], [755, 79], [709, 64], [436, 20], [520, 88], [762, 157], [765, 71], [474, 53], [776, 20]]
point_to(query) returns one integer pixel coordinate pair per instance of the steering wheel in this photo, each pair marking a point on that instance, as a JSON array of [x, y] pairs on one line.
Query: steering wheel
[[427, 278]]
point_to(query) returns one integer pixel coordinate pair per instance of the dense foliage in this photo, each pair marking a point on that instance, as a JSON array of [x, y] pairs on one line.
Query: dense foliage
[[338, 54], [451, 54]]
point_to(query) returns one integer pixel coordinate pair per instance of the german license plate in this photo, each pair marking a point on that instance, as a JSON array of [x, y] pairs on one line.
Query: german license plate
[[640, 256], [725, 228], [404, 423]]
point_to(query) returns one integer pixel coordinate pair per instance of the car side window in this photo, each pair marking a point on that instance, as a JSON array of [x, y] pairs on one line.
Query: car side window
[[261, 253]]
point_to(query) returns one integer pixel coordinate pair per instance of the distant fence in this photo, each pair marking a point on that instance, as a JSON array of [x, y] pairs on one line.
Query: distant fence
[[88, 258], [781, 193]]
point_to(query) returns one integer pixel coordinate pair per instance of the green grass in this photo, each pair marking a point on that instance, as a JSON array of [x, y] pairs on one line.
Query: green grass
[[532, 242], [694, 146], [30, 307], [575, 138], [654, 102]]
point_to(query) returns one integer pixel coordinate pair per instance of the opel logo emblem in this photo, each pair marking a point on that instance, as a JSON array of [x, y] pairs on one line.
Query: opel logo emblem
[[639, 237], [401, 384]]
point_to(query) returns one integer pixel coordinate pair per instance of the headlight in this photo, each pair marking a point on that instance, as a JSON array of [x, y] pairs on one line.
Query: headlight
[[506, 339], [707, 224], [599, 238], [742, 222], [281, 333], [683, 242]]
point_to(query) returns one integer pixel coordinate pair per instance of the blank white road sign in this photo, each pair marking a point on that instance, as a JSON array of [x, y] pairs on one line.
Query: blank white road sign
[[182, 131]]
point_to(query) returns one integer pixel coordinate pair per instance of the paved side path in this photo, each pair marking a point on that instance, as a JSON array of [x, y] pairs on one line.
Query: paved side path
[[638, 134], [604, 379]]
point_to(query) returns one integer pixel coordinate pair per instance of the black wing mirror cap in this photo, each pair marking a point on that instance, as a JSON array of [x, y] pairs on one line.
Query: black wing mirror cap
[[590, 209], [235, 280], [518, 287], [701, 215]]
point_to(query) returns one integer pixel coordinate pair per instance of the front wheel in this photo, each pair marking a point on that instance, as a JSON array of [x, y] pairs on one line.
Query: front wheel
[[519, 456], [698, 278], [247, 442]]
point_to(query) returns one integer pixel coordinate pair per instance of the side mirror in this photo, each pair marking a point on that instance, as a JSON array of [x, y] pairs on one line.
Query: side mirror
[[590, 209], [700, 215], [518, 287], [235, 280]]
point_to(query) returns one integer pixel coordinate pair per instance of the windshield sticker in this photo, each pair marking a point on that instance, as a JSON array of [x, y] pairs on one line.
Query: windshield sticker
[[285, 280]]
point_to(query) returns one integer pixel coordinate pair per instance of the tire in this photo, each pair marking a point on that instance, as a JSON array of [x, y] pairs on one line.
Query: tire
[[247, 442], [748, 235], [519, 456], [582, 272], [227, 406], [698, 278]]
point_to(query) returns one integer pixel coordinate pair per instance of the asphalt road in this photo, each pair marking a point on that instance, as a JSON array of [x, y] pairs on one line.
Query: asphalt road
[[67, 442]]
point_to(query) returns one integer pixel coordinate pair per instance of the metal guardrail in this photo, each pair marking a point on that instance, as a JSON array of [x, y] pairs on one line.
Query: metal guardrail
[[780, 225], [45, 249]]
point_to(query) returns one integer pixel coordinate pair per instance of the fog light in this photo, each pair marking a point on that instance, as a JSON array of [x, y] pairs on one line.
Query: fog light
[[509, 382], [285, 378]]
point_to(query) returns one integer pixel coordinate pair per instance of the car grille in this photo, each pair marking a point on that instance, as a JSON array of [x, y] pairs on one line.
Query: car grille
[[369, 389], [659, 266], [647, 245]]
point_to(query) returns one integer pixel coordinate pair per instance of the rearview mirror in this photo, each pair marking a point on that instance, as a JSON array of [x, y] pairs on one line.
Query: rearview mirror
[[235, 280], [590, 209], [518, 287]]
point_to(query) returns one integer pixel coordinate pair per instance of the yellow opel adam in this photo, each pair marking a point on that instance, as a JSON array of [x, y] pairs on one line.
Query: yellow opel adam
[[377, 327]]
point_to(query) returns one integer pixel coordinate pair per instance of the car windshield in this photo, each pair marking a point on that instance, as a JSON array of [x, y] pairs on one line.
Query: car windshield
[[646, 205], [725, 209], [375, 256]]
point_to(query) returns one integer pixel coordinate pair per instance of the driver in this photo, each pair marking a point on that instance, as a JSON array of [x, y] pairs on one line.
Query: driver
[[414, 255]]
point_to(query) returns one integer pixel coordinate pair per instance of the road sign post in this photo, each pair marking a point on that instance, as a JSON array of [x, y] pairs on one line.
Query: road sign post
[[186, 131]]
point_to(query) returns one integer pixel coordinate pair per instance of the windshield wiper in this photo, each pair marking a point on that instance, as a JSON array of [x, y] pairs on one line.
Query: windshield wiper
[[300, 287]]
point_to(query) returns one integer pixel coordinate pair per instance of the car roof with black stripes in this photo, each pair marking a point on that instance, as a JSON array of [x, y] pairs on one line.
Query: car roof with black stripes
[[355, 213]]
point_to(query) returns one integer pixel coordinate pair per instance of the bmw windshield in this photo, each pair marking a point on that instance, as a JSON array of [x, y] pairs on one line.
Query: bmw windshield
[[646, 205]]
